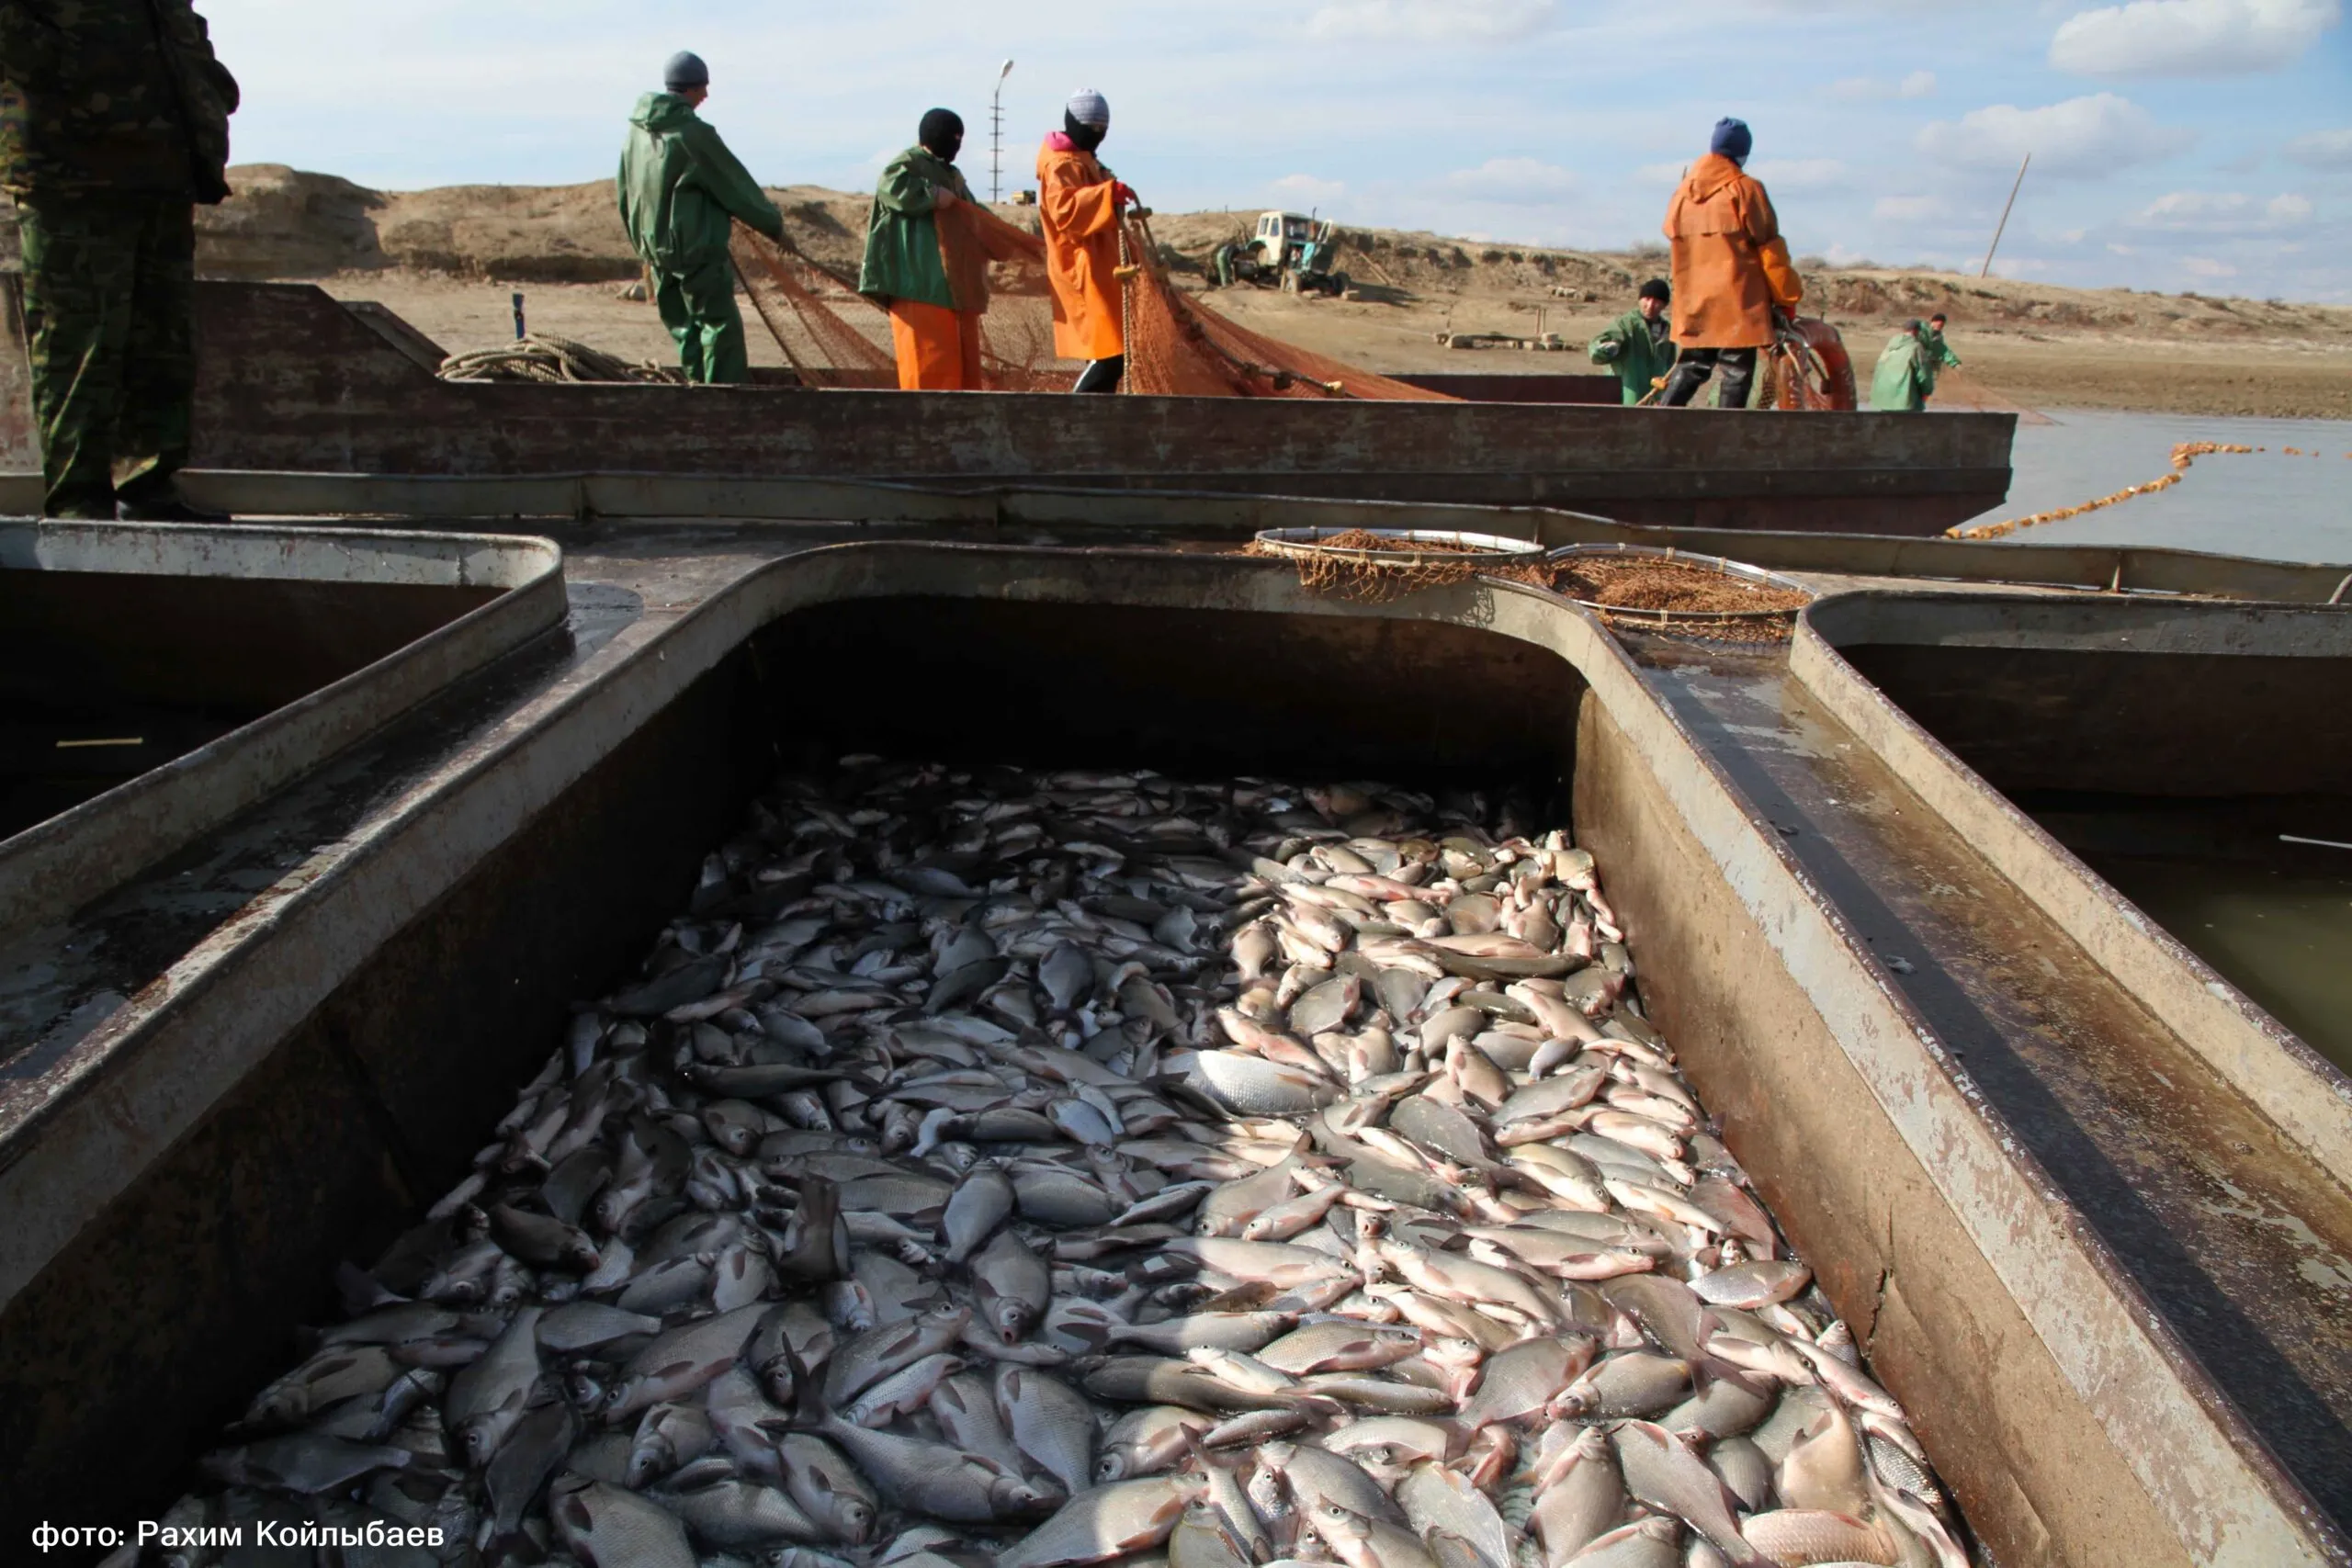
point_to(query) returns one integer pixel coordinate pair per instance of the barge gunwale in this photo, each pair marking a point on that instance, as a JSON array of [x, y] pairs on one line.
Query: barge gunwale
[[60, 864], [291, 378], [2301, 1091], [655, 501], [2160, 1467]]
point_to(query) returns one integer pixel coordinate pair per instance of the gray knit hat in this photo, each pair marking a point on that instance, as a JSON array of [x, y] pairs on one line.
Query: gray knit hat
[[686, 70], [1090, 107]]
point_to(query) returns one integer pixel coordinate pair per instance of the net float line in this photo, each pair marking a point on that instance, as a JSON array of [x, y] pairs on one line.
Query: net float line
[[2184, 457]]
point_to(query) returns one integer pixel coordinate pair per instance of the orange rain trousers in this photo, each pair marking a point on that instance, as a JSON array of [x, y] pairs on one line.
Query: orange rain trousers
[[1081, 224], [939, 349]]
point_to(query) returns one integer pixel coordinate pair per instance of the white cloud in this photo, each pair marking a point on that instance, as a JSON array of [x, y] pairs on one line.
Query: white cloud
[[1512, 180], [1801, 173], [2206, 268], [1305, 190], [1661, 173], [1870, 89], [2081, 136], [2190, 38], [1431, 21], [1906, 209], [2222, 212], [2323, 149]]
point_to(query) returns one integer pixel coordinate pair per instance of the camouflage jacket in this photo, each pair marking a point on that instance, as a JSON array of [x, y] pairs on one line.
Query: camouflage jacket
[[112, 95]]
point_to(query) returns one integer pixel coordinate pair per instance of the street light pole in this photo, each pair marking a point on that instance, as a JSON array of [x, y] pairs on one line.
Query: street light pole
[[995, 136]]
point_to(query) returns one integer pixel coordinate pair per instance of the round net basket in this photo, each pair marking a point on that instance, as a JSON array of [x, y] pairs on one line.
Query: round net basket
[[1375, 565], [1643, 588]]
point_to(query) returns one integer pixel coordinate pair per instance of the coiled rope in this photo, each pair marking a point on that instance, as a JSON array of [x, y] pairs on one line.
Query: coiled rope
[[549, 361]]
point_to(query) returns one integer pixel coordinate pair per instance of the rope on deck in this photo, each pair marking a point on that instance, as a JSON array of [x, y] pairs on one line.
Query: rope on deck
[[550, 361]]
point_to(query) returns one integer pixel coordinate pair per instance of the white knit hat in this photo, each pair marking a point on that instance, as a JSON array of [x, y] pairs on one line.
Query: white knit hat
[[1090, 107]]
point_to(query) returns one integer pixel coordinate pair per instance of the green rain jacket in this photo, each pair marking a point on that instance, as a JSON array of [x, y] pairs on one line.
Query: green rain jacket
[[902, 255], [681, 189], [1905, 376], [1625, 346], [121, 96]]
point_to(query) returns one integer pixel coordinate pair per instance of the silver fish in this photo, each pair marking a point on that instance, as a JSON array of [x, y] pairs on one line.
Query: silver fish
[[607, 1527], [933, 1479], [1049, 1422], [1012, 1287], [486, 1400], [1096, 1526]]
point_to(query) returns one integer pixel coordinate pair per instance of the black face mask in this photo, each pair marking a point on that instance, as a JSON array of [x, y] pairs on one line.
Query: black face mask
[[1087, 137], [942, 134]]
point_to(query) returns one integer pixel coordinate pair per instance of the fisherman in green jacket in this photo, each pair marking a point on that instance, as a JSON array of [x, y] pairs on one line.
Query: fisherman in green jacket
[[114, 126], [681, 193], [934, 326], [1639, 345], [1905, 376]]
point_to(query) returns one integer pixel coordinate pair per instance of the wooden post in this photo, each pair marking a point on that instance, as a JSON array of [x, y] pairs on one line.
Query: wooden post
[[1986, 271]]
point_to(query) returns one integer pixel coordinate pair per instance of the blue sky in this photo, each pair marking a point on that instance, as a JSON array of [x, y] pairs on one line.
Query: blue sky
[[2178, 144]]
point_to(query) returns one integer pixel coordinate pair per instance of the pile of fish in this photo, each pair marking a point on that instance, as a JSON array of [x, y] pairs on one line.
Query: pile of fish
[[1072, 1168]]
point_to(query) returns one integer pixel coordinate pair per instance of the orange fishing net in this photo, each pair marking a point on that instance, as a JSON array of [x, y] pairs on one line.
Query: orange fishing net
[[1177, 347], [796, 298]]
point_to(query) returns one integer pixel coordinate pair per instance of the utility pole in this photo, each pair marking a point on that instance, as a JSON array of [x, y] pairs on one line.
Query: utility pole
[[1986, 271], [995, 136]]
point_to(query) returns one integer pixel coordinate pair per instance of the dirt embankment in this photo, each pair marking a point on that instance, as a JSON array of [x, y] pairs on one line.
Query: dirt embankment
[[430, 254]]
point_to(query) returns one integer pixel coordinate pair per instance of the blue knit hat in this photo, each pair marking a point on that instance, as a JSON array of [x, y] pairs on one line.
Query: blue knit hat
[[1090, 107], [686, 70], [1733, 139]]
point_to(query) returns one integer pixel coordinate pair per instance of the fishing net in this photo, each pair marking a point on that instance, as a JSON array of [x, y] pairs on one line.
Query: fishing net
[[1365, 567], [1658, 593], [1966, 392], [1662, 594], [797, 298], [833, 336], [1179, 347]]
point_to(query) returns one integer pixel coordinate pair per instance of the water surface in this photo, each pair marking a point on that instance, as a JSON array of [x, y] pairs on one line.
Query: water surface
[[2227, 878], [2265, 505]]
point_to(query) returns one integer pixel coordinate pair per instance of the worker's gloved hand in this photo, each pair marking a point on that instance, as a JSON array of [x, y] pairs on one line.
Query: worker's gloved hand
[[945, 196], [1602, 353], [1124, 194]]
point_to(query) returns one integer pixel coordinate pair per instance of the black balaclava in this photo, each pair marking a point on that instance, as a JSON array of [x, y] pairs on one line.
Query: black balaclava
[[942, 134], [1085, 137]]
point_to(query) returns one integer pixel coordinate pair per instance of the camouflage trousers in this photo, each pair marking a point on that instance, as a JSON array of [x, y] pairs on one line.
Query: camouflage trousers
[[110, 303], [699, 309]]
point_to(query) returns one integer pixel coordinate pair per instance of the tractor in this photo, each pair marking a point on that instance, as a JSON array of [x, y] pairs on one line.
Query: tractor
[[1287, 251]]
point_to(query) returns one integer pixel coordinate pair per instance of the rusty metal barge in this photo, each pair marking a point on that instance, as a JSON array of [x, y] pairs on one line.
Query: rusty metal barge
[[2083, 1200], [291, 381]]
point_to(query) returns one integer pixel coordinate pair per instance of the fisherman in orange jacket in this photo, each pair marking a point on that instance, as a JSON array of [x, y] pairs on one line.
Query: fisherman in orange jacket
[[1732, 273], [1080, 202]]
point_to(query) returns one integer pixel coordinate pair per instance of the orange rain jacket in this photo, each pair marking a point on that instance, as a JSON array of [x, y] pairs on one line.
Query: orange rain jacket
[[1074, 197], [1731, 266]]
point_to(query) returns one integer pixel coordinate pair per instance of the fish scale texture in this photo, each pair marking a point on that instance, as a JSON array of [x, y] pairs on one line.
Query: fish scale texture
[[1056, 1168]]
